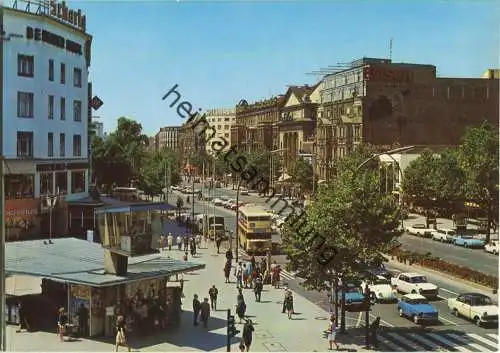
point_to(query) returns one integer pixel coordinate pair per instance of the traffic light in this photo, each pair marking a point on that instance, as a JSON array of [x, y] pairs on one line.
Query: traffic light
[[231, 328]]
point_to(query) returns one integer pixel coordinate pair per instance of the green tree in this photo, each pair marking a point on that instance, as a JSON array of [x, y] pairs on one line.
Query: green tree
[[419, 181], [348, 226], [301, 172], [159, 169], [478, 156], [449, 178]]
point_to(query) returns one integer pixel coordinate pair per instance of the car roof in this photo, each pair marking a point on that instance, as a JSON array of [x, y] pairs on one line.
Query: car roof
[[477, 295], [413, 296], [412, 274]]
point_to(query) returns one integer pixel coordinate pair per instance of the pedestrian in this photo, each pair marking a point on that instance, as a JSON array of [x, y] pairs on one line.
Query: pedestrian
[[61, 323], [252, 261], [196, 309], [289, 305], [185, 256], [229, 256], [204, 312], [194, 245], [186, 243], [170, 241], [218, 242], [83, 321], [247, 334], [212, 293], [23, 320], [241, 308], [179, 242], [227, 271], [121, 337], [283, 310], [239, 276], [198, 241], [373, 330], [258, 289], [162, 242], [240, 297], [191, 247], [332, 333], [245, 276]]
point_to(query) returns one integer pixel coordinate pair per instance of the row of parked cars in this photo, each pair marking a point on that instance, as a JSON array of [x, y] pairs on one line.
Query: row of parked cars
[[451, 236], [414, 303]]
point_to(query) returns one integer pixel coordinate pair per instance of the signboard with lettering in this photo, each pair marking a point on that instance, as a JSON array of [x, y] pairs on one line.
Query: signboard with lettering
[[21, 218], [53, 39], [387, 74], [75, 18]]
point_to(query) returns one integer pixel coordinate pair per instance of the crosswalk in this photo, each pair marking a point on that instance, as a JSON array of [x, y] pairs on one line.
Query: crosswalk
[[446, 341]]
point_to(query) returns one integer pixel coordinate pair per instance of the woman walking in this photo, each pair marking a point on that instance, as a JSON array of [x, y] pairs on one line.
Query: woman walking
[[332, 332], [61, 323], [121, 338], [289, 305]]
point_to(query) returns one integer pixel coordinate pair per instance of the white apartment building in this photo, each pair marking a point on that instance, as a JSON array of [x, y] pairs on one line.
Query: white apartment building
[[168, 137], [221, 119], [44, 106], [98, 127]]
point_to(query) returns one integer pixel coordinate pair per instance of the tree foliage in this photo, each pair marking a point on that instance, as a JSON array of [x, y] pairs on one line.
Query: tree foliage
[[159, 169], [351, 216], [301, 172]]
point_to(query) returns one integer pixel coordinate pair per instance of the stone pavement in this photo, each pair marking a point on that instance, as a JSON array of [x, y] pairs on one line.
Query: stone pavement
[[273, 330]]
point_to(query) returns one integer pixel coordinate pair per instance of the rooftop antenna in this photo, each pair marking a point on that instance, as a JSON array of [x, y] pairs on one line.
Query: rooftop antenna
[[390, 49]]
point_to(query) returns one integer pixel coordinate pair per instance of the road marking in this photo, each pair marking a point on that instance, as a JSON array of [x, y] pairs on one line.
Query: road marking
[[393, 347], [482, 339], [493, 335], [448, 342], [406, 342], [449, 291], [449, 321], [425, 341], [360, 316], [469, 343]]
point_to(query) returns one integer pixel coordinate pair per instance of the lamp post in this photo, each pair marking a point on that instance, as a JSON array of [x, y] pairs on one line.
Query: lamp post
[[237, 217], [51, 203]]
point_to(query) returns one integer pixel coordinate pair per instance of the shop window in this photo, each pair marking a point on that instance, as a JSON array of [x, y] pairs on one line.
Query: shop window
[[19, 186], [46, 183], [77, 182], [62, 183]]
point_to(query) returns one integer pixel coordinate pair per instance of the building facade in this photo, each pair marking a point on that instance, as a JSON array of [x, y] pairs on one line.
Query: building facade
[[191, 142], [45, 115], [167, 137], [256, 126], [98, 128], [221, 119], [378, 102]]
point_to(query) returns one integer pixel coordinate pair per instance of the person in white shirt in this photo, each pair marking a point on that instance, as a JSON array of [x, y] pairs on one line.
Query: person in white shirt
[[179, 242], [198, 240], [170, 241]]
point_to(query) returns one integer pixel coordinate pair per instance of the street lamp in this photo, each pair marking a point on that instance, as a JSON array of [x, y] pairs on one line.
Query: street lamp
[[51, 203], [237, 217]]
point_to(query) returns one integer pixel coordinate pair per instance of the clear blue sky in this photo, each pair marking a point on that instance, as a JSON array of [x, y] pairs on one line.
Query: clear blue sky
[[221, 52]]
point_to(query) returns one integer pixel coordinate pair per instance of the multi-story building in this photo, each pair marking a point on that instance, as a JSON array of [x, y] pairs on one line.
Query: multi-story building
[[191, 142], [256, 125], [97, 127], [220, 120], [45, 115], [167, 137], [378, 102], [297, 123]]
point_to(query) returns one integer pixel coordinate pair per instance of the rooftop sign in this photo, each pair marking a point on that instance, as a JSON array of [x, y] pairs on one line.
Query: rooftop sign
[[72, 17]]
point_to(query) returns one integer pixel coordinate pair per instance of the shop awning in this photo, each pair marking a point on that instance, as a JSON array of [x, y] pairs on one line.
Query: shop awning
[[135, 207], [78, 261]]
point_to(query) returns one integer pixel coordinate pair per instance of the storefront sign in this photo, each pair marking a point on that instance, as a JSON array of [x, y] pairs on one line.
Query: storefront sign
[[386, 74], [53, 39], [72, 17], [22, 208]]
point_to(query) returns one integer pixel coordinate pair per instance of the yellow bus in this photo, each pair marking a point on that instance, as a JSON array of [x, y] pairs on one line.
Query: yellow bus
[[255, 229]]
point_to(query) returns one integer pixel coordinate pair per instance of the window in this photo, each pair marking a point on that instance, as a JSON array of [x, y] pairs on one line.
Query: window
[[24, 144], [46, 183], [226, 127], [77, 182], [19, 186], [62, 145], [63, 73], [50, 144], [77, 77], [25, 65], [62, 183], [77, 110], [77, 145], [51, 108], [25, 102], [51, 70], [63, 108]]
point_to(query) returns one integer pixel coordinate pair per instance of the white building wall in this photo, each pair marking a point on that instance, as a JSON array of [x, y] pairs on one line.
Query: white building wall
[[17, 23]]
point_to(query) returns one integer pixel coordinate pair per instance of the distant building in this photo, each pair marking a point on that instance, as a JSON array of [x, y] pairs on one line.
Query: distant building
[[167, 137], [221, 120], [492, 74], [98, 128]]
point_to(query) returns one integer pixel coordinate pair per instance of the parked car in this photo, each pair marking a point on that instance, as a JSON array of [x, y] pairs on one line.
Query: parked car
[[218, 202], [417, 308], [380, 271], [476, 307], [468, 241], [420, 230], [414, 283], [244, 192], [354, 296], [492, 247], [443, 235], [380, 289]]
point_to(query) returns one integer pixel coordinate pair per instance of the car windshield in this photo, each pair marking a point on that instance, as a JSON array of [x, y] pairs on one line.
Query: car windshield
[[380, 281], [418, 279], [417, 301], [480, 301]]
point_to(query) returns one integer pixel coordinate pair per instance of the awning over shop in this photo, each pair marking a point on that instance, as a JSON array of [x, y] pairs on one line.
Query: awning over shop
[[80, 262], [135, 207]]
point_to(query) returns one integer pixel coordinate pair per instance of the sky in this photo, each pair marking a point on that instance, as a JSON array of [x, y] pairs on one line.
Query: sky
[[219, 52]]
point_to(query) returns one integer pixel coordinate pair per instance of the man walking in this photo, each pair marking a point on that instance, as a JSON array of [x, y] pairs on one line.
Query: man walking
[[170, 241], [205, 312], [247, 334], [179, 242], [213, 292], [218, 242], [258, 288], [373, 330], [196, 309]]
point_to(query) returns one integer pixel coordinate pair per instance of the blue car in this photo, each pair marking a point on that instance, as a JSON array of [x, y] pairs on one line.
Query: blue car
[[354, 296], [468, 241], [417, 308]]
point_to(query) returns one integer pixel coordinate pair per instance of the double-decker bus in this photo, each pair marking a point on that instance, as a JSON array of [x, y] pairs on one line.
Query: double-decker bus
[[255, 229]]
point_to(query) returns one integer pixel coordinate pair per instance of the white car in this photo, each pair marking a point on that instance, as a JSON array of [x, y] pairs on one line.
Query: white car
[[420, 230], [443, 235], [414, 283], [476, 307], [381, 289], [244, 192], [492, 247], [218, 202]]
